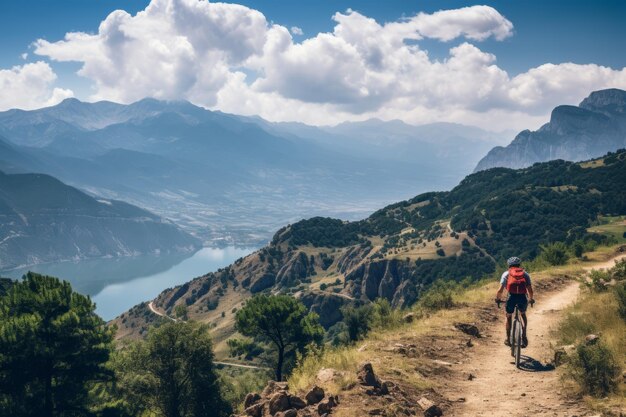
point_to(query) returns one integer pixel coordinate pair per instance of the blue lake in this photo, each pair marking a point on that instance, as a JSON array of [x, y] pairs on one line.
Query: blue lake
[[117, 284]]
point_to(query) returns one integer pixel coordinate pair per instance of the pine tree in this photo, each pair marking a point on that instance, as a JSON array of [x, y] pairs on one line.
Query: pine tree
[[53, 347]]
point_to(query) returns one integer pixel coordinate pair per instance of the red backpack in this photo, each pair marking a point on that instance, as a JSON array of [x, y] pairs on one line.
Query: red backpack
[[516, 282]]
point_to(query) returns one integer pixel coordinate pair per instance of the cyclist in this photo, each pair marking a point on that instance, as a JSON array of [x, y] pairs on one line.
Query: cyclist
[[518, 284]]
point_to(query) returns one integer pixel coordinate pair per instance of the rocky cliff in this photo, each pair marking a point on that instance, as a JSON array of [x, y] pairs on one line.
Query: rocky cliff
[[574, 133]]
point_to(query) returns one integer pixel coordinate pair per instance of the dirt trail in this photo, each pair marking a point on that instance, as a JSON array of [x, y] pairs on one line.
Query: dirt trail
[[499, 389]]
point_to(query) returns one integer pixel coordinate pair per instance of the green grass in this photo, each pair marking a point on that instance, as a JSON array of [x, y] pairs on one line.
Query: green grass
[[614, 226]]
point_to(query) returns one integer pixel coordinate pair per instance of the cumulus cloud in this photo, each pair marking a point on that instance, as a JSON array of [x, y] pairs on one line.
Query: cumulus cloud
[[475, 23], [229, 57], [295, 30], [30, 86]]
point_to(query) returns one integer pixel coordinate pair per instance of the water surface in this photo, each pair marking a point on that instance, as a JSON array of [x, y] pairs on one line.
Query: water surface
[[117, 284]]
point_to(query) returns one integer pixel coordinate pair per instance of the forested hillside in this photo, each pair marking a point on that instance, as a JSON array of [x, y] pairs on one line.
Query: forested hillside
[[399, 251], [44, 220]]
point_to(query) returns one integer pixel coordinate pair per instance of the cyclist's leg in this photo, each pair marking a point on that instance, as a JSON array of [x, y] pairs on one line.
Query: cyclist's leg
[[510, 307], [523, 306]]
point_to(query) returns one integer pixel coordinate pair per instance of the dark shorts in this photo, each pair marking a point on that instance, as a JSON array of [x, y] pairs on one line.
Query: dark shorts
[[518, 300]]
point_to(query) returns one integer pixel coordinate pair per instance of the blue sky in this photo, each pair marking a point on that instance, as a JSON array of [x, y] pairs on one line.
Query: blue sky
[[580, 32]]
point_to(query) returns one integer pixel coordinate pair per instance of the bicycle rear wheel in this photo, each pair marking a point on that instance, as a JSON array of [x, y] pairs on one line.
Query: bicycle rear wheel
[[518, 343]]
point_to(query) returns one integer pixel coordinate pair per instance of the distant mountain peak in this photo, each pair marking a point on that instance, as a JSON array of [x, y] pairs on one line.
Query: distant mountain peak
[[612, 99], [574, 133]]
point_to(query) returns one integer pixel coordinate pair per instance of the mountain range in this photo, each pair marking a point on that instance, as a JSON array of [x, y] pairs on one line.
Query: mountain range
[[400, 250], [575, 133], [44, 220], [231, 179]]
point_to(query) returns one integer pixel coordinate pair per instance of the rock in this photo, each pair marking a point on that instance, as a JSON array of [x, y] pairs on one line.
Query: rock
[[255, 410], [296, 402], [591, 339], [470, 377], [251, 399], [562, 353], [279, 402], [366, 375], [288, 413], [469, 343], [273, 387], [468, 328], [430, 408], [326, 375], [409, 317], [326, 406], [315, 395]]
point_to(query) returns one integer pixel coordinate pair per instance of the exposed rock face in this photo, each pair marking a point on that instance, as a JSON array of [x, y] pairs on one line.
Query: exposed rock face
[[326, 305], [390, 279], [595, 127]]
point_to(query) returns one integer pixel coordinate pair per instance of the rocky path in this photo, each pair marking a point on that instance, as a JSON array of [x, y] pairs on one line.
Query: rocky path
[[498, 388]]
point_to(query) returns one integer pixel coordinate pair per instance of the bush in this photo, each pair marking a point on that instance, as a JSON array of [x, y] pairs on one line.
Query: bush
[[598, 279], [323, 286], [357, 321], [555, 253], [595, 369], [620, 294], [438, 297]]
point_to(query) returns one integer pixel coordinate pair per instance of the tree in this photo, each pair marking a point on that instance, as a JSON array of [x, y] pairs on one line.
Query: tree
[[172, 373], [53, 348], [281, 321], [358, 321]]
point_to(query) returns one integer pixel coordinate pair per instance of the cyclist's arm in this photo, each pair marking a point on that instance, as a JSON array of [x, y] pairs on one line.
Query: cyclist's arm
[[529, 287], [500, 292]]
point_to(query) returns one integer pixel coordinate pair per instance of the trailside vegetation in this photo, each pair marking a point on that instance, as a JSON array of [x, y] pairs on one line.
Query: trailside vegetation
[[53, 349], [283, 323]]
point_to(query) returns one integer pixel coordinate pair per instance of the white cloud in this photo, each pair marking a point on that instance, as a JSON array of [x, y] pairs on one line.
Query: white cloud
[[295, 30], [30, 86], [229, 57], [475, 23], [24, 56]]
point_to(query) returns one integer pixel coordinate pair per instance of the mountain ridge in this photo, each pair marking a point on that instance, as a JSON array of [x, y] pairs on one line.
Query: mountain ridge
[[596, 126], [400, 250], [44, 220]]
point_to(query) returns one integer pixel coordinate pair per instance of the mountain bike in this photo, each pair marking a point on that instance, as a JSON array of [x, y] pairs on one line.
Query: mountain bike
[[517, 330]]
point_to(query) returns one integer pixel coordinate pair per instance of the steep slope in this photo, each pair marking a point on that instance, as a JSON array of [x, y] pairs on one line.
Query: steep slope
[[400, 250], [596, 126], [44, 220]]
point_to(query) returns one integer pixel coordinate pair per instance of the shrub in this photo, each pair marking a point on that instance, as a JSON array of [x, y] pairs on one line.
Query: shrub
[[441, 252], [620, 294], [555, 253], [438, 297], [357, 321], [323, 286], [595, 369], [598, 279]]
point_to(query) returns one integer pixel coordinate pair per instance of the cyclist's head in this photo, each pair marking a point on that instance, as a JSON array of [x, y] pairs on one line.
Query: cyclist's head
[[514, 261]]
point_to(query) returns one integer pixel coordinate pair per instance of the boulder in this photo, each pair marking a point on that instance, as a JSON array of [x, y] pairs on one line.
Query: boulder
[[468, 328], [366, 375], [430, 408], [251, 399], [326, 406], [255, 410], [591, 339], [562, 353], [296, 402], [273, 387], [315, 395], [409, 317], [279, 402]]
